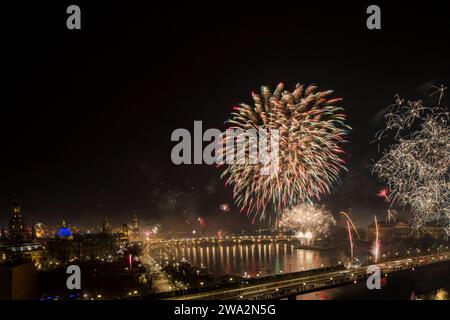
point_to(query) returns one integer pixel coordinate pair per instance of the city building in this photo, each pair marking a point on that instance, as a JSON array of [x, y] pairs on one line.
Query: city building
[[17, 231], [64, 232], [125, 233], [2, 235], [23, 251], [401, 230], [135, 234], [106, 227], [433, 231], [18, 282], [20, 245], [41, 230]]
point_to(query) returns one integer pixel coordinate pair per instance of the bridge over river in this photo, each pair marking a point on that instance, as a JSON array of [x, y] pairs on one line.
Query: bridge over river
[[292, 284], [235, 239]]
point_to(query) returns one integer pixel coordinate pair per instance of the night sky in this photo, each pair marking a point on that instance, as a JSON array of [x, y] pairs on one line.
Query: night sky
[[87, 115]]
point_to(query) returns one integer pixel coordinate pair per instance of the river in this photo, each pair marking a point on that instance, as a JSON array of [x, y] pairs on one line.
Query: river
[[256, 259]]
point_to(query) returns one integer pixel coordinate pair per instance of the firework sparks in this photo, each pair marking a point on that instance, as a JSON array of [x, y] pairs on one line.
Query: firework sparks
[[441, 90], [416, 167], [384, 193], [225, 207], [308, 221], [311, 131], [391, 215], [201, 221]]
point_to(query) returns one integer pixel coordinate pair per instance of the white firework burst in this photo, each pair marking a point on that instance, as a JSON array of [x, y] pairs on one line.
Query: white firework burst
[[308, 220], [416, 167]]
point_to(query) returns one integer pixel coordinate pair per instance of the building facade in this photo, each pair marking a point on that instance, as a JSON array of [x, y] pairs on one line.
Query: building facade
[[401, 230], [135, 232], [17, 230]]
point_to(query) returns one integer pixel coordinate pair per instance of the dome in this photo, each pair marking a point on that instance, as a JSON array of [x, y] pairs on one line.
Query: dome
[[64, 232]]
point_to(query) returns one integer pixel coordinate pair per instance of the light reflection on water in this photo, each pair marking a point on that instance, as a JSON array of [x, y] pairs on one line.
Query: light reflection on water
[[262, 259], [442, 294]]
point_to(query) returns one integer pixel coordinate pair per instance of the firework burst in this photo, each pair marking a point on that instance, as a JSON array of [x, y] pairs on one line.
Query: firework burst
[[416, 167], [311, 131], [309, 221]]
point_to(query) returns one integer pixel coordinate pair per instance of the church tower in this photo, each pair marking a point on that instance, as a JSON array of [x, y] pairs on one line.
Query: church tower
[[2, 234], [17, 230], [106, 227], [135, 235], [124, 236], [33, 234]]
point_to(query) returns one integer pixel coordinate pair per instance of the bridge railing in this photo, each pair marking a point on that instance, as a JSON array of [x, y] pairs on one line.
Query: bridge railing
[[247, 282]]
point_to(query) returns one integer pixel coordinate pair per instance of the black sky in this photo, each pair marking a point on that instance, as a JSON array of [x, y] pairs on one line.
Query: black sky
[[87, 115]]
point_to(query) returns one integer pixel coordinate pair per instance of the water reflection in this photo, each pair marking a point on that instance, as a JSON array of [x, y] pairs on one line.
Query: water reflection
[[262, 259]]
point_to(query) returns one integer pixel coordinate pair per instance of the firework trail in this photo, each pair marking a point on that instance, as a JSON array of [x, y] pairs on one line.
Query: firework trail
[[376, 244], [311, 131], [416, 167], [391, 215], [307, 220], [350, 237], [351, 222], [441, 90], [350, 240]]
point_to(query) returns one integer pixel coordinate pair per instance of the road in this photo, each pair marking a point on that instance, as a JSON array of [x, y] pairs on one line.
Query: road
[[299, 285], [160, 282]]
